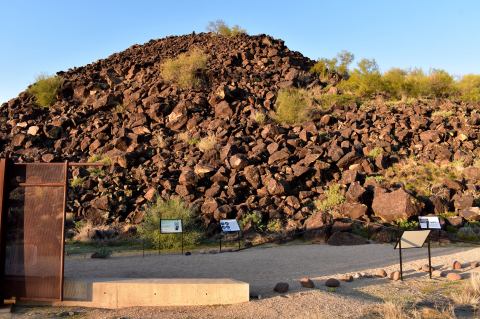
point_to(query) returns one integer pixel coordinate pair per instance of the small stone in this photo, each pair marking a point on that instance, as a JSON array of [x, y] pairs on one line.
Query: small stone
[[357, 275], [456, 265], [346, 278], [380, 273], [425, 268], [33, 130], [474, 264], [454, 276], [307, 283], [395, 276], [332, 283], [281, 287]]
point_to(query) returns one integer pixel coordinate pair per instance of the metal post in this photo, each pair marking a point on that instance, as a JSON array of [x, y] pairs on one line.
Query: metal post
[[182, 234], [400, 252], [220, 242], [159, 232], [239, 241], [143, 248], [4, 163], [62, 256], [429, 259]]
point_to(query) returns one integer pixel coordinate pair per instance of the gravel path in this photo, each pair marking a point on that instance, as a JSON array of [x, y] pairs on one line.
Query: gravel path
[[263, 267]]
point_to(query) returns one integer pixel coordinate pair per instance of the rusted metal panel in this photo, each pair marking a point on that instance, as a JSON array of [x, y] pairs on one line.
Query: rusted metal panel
[[34, 235], [3, 171]]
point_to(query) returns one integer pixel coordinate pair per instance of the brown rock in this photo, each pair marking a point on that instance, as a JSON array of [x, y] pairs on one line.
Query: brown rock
[[332, 283], [353, 210], [223, 110], [281, 287], [238, 161], [395, 205], [456, 265], [380, 273], [307, 283], [187, 177], [150, 194], [395, 276], [275, 187], [101, 203], [453, 276], [471, 213], [346, 278], [252, 175], [463, 201]]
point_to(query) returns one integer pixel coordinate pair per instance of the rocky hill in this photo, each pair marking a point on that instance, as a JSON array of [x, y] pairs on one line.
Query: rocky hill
[[346, 161]]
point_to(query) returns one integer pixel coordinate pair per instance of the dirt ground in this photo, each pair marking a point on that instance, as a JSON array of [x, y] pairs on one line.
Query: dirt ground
[[264, 267]]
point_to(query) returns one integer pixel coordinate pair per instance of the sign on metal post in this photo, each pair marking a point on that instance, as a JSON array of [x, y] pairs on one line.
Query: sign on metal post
[[171, 226], [429, 222], [230, 226], [413, 239]]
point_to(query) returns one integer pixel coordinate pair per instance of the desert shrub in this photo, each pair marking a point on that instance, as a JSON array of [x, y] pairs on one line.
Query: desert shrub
[[185, 69], [100, 158], [259, 117], [219, 27], [421, 177], [293, 106], [395, 84], [187, 138], [469, 87], [405, 224], [45, 89], [416, 83], [324, 68], [469, 233], [365, 80], [77, 182], [374, 153], [253, 220], [325, 102], [442, 113], [102, 253], [207, 143], [274, 226], [333, 198], [149, 229], [440, 83]]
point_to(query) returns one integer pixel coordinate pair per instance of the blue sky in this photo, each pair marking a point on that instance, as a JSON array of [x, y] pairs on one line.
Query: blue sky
[[48, 36]]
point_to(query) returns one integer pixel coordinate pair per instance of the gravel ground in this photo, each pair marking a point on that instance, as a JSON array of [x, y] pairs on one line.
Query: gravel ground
[[262, 268]]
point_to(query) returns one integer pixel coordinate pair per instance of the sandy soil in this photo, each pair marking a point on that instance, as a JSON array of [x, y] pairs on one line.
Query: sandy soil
[[262, 268]]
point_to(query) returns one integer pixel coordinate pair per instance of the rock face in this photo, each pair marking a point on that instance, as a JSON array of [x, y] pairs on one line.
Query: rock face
[[395, 205], [120, 108], [344, 238]]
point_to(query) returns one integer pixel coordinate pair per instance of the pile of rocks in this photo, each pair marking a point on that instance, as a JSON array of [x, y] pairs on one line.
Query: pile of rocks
[[120, 108]]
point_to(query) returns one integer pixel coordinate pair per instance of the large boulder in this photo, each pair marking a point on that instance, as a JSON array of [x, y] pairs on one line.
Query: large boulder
[[315, 227], [346, 239], [395, 205]]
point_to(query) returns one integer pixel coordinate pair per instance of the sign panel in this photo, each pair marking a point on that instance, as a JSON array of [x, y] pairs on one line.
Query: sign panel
[[429, 222], [229, 225], [171, 226], [413, 239]]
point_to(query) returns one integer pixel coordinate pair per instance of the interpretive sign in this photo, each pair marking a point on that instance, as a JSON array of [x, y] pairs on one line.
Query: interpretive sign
[[229, 225], [429, 222], [413, 239], [171, 226]]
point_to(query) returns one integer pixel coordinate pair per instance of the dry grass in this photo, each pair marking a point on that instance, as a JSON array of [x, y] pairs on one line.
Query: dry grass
[[333, 198], [392, 310], [421, 177], [293, 106], [259, 117], [470, 292], [207, 143], [185, 69], [45, 89]]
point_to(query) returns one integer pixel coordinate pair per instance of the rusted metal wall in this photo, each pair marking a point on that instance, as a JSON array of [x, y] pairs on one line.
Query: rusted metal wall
[[34, 234]]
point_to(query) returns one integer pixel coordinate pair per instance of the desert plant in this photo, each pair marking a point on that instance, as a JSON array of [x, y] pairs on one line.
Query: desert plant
[[365, 80], [405, 224], [149, 229], [469, 233], [77, 182], [253, 220], [374, 153], [207, 143], [325, 102], [102, 253], [185, 69], [259, 117], [100, 158], [469, 87], [219, 27], [469, 294], [274, 226], [442, 113], [395, 84], [333, 198], [293, 106], [324, 68], [440, 83], [45, 89]]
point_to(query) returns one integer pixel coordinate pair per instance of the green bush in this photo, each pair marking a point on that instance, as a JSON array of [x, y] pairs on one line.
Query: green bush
[[254, 220], [333, 198], [274, 226], [469, 233], [102, 253], [469, 87], [45, 89], [77, 182], [293, 106], [407, 225], [395, 83], [219, 27], [185, 69], [149, 229], [374, 153], [440, 83], [324, 68], [365, 80], [325, 102]]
